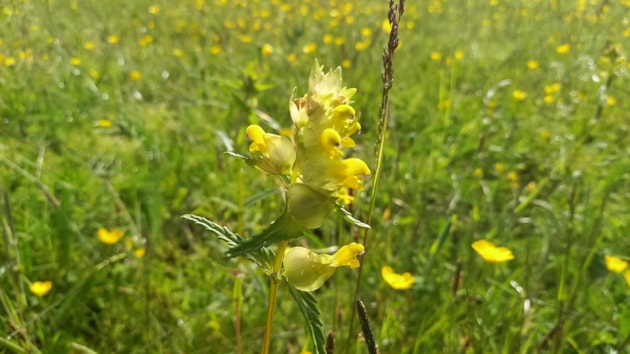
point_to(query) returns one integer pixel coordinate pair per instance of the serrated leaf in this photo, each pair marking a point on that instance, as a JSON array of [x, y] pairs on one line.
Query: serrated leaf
[[351, 219], [263, 257], [308, 306]]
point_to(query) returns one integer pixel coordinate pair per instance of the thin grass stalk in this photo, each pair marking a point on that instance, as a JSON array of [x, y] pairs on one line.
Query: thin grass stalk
[[394, 14], [273, 294]]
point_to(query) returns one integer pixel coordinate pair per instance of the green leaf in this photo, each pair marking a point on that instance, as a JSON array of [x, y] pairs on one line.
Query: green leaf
[[262, 256], [308, 306], [351, 219], [283, 228]]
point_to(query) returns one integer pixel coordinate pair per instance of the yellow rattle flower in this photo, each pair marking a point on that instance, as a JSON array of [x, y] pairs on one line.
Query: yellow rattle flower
[[307, 271]]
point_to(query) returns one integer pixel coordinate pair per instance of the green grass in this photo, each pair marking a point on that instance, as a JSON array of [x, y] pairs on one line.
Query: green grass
[[63, 175]]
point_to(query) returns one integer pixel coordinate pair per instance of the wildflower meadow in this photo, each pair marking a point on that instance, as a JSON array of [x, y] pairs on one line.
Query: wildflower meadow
[[321, 176]]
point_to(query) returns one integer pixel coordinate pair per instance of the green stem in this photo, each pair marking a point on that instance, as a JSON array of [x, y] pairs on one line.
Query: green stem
[[273, 293]]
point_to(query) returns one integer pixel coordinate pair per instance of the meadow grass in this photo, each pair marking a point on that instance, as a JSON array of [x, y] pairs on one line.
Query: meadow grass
[[508, 122]]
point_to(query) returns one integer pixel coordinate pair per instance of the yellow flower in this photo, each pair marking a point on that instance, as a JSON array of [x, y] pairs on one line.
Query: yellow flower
[[513, 177], [324, 122], [271, 153], [626, 275], [309, 48], [346, 63], [563, 48], [361, 45], [154, 9], [146, 40], [386, 26], [215, 49], [491, 253], [88, 45], [615, 264], [545, 134], [135, 75], [459, 55], [499, 167], [113, 39], [611, 101], [245, 38], [519, 95], [109, 237], [140, 252], [266, 49], [478, 172], [178, 52], [104, 123], [436, 56], [40, 288], [307, 271], [397, 281], [532, 64], [75, 61]]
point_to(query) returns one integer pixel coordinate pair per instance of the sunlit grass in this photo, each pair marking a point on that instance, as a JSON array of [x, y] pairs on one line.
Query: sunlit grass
[[508, 123]]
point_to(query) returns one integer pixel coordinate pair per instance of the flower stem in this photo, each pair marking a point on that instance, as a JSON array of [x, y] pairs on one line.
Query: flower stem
[[273, 292]]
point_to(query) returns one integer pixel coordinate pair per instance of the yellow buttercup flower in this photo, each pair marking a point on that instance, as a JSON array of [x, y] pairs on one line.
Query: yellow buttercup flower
[[109, 237], [519, 95], [307, 271], [563, 48], [615, 264], [397, 281], [266, 49], [40, 288], [532, 64], [491, 253]]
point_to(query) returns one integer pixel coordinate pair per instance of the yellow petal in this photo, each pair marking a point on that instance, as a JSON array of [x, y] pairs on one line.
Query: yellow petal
[[257, 134], [346, 255], [397, 281], [40, 288], [140, 252], [615, 264], [343, 111], [491, 253], [109, 237], [330, 142], [353, 170], [626, 275]]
